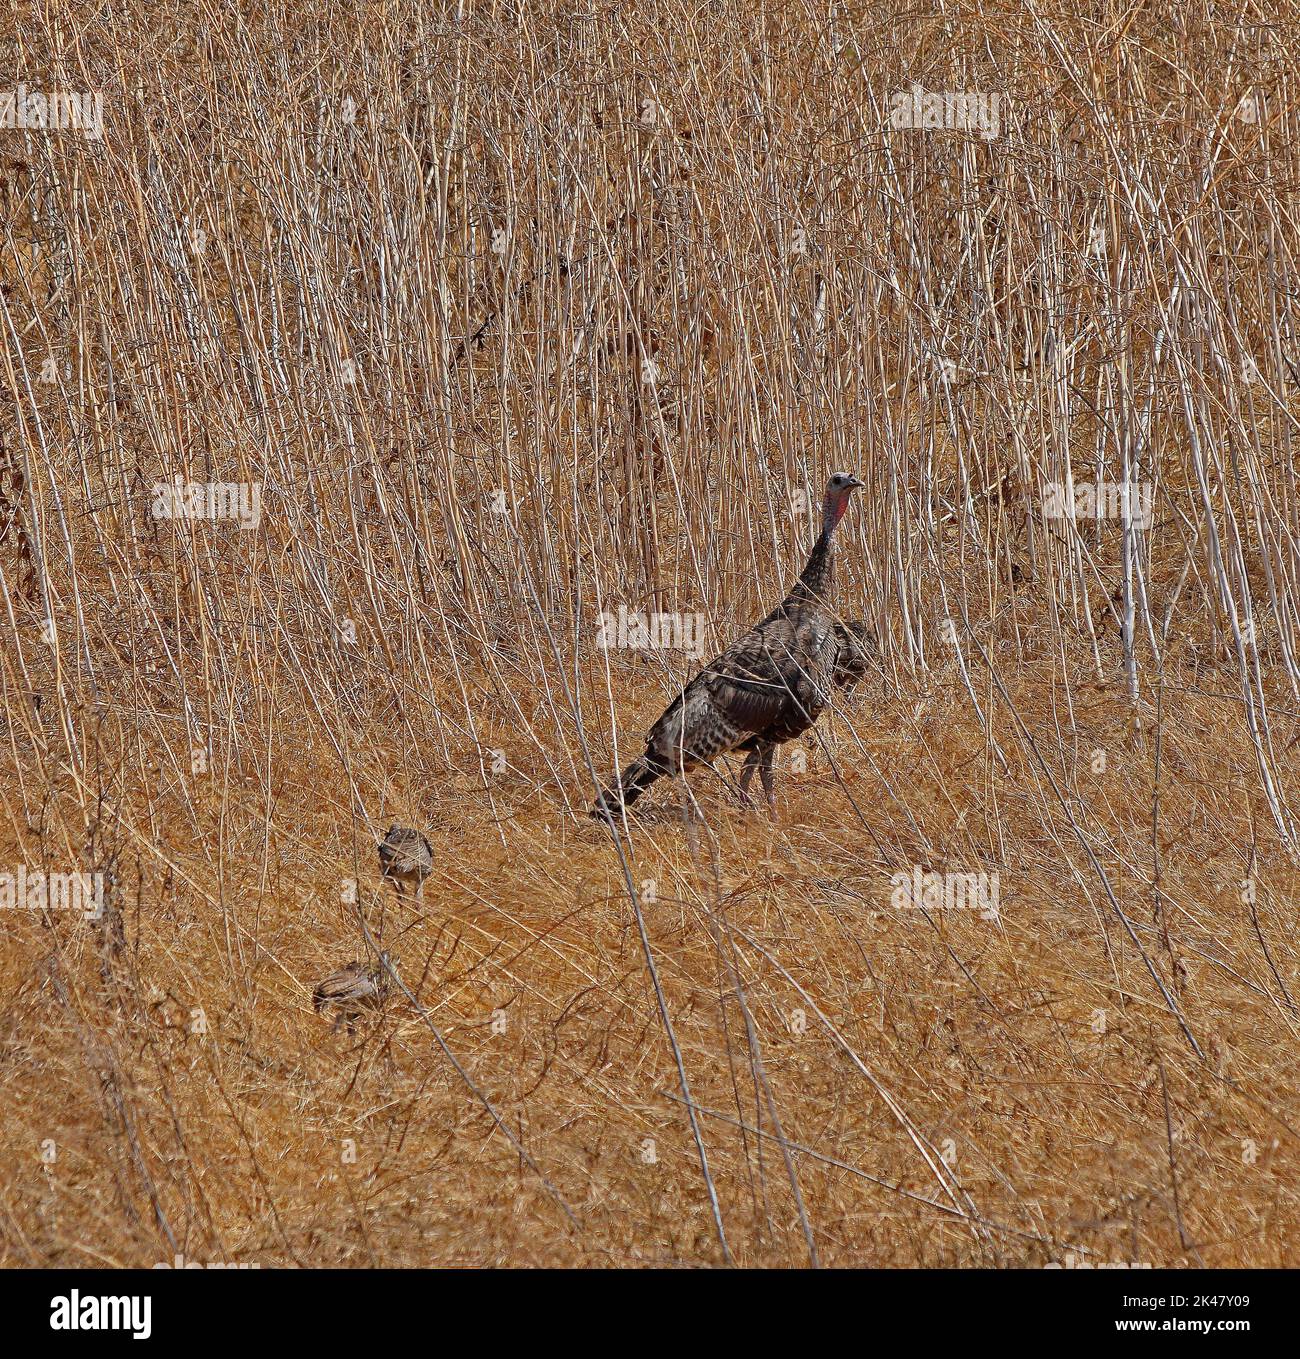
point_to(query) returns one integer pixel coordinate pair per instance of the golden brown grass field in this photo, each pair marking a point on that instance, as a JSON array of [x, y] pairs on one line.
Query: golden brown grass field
[[513, 316]]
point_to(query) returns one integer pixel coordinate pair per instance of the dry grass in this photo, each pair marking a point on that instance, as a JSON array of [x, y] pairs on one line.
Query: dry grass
[[640, 276]]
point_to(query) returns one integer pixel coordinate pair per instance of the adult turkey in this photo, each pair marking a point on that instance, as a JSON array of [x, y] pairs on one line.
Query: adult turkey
[[768, 687]]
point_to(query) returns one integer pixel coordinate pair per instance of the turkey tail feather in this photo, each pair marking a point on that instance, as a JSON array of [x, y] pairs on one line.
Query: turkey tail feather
[[633, 781]]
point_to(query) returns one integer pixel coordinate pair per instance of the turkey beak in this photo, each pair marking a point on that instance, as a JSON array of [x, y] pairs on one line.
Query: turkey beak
[[854, 483]]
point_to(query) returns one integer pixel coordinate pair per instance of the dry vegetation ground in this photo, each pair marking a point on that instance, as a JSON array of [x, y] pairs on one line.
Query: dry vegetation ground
[[638, 275]]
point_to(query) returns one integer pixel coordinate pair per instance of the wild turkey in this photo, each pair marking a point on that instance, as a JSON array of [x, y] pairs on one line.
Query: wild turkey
[[405, 858], [350, 991], [767, 687]]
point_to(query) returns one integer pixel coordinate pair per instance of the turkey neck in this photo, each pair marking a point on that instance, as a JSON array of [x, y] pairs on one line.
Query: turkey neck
[[814, 584]]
